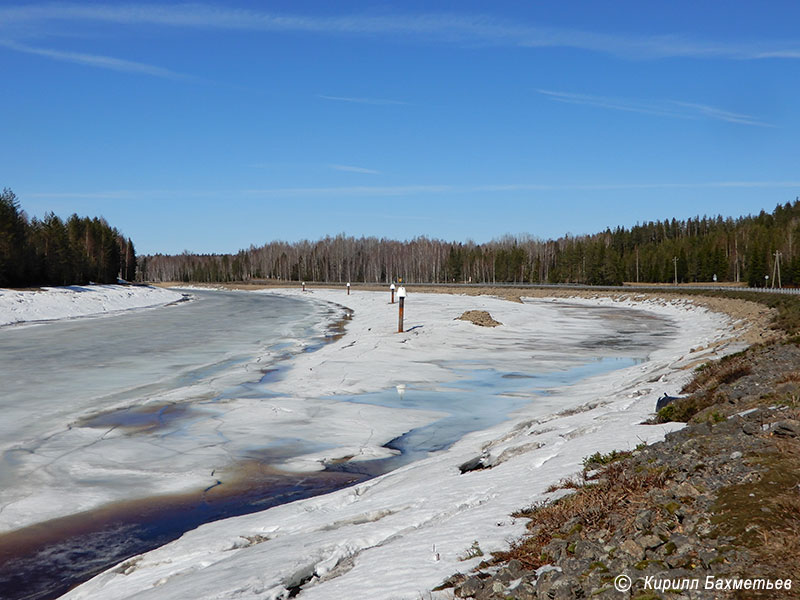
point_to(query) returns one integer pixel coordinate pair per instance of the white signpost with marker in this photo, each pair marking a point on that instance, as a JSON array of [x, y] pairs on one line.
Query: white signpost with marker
[[401, 296]]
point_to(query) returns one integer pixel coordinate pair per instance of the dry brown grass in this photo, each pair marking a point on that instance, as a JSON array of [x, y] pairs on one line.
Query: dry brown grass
[[704, 390], [610, 500], [726, 370], [791, 377]]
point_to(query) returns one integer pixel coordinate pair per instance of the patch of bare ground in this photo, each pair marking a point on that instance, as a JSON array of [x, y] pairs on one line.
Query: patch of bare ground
[[763, 514], [479, 317]]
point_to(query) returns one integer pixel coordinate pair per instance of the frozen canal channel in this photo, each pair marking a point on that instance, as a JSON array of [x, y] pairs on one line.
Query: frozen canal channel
[[100, 410], [118, 434]]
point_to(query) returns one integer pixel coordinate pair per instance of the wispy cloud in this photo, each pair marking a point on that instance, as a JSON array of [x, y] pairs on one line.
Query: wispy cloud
[[443, 27], [662, 108], [580, 187], [352, 169], [352, 191], [314, 166], [151, 194], [397, 217], [375, 101], [95, 60], [612, 103], [712, 112], [402, 190]]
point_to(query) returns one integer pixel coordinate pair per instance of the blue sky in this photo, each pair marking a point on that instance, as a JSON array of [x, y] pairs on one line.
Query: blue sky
[[212, 126]]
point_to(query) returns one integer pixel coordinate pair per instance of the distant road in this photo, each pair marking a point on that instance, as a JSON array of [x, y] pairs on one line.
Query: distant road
[[618, 288], [546, 286]]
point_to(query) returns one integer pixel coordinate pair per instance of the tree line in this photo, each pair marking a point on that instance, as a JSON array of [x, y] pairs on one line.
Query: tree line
[[699, 249], [51, 251]]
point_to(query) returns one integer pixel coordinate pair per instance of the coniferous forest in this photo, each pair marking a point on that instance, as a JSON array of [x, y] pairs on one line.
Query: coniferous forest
[[743, 249], [51, 251]]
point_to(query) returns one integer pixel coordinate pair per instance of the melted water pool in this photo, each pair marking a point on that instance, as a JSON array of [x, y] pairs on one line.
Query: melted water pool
[[479, 399]]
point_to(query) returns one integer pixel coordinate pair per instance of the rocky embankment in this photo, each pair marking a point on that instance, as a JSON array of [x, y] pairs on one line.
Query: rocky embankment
[[714, 502]]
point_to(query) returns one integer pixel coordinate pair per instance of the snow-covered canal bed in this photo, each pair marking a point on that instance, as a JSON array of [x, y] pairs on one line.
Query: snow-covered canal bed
[[246, 409], [50, 304]]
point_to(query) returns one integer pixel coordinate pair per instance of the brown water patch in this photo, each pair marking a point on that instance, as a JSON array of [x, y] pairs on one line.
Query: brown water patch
[[140, 418], [339, 327], [47, 559], [182, 299], [271, 375]]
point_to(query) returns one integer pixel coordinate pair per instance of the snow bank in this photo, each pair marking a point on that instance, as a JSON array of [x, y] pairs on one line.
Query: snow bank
[[78, 301], [399, 535]]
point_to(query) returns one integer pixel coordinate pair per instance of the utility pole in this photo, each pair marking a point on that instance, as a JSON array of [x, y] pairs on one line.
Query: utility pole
[[675, 264], [776, 269]]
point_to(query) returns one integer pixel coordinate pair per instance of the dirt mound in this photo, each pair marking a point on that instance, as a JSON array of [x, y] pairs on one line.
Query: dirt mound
[[479, 317]]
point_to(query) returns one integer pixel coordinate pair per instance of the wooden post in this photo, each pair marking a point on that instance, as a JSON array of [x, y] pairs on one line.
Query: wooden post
[[391, 287], [675, 263], [401, 296]]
